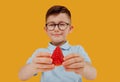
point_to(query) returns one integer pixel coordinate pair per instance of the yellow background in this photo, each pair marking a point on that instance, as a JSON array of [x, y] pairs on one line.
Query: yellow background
[[96, 28]]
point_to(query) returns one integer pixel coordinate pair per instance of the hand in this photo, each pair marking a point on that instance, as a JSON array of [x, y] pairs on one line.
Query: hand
[[42, 62], [74, 63]]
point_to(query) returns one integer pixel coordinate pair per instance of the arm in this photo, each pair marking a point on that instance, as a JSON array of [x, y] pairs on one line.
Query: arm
[[27, 72], [41, 62], [89, 72], [76, 63]]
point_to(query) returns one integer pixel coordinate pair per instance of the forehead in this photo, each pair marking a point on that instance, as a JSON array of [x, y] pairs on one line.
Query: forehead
[[57, 18]]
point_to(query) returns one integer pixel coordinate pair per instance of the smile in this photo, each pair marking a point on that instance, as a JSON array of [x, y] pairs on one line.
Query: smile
[[56, 34]]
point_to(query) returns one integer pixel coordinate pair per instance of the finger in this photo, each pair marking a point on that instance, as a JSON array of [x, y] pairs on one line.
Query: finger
[[44, 70], [45, 66], [71, 69], [43, 60], [76, 70], [75, 65], [73, 60], [43, 54], [71, 56]]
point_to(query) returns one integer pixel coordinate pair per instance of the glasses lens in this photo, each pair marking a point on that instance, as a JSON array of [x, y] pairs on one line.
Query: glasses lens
[[50, 26], [61, 26]]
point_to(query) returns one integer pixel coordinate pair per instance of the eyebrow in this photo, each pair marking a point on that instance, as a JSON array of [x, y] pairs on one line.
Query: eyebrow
[[58, 22]]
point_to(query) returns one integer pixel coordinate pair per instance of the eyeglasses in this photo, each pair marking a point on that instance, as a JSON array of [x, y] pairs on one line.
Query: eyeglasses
[[61, 26]]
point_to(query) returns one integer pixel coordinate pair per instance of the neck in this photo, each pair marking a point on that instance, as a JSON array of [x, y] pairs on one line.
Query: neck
[[58, 43]]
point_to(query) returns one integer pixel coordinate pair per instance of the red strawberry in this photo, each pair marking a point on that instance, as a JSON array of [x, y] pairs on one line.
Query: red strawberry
[[57, 56]]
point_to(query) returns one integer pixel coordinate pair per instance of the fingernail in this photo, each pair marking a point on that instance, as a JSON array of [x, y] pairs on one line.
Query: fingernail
[[51, 60], [63, 63]]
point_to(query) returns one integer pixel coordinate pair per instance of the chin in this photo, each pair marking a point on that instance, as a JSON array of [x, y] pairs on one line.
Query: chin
[[57, 41]]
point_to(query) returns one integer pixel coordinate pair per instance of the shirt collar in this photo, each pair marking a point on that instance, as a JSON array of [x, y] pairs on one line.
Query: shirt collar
[[65, 46]]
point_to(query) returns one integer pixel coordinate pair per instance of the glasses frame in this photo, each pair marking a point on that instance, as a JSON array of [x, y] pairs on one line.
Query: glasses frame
[[58, 25]]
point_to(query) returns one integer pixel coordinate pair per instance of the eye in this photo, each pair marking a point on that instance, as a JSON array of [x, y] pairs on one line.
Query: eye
[[62, 24], [51, 25]]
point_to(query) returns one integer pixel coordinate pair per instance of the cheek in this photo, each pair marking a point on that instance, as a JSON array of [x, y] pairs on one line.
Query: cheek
[[48, 33], [66, 33]]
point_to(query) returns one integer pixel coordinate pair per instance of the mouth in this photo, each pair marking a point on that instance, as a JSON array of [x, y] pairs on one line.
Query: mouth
[[56, 34]]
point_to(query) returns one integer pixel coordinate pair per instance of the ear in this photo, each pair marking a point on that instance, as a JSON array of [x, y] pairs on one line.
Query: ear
[[71, 28], [45, 29]]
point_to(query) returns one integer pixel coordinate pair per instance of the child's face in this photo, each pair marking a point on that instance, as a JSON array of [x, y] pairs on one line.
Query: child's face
[[58, 33]]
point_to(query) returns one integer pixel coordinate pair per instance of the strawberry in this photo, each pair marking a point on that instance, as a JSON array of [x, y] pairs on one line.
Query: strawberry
[[57, 56]]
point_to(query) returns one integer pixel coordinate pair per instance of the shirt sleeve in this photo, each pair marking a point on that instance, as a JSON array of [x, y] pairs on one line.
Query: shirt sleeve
[[84, 54], [33, 55]]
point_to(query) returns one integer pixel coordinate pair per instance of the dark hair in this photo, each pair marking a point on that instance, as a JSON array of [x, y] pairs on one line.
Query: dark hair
[[57, 9]]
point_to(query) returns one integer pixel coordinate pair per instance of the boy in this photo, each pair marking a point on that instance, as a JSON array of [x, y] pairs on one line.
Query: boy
[[76, 61]]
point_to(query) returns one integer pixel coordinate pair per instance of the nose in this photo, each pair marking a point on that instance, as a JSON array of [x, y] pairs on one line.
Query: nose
[[56, 27]]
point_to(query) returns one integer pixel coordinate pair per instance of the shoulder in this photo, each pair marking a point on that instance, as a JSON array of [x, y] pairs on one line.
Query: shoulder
[[40, 50], [77, 47], [81, 51]]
